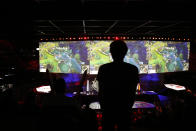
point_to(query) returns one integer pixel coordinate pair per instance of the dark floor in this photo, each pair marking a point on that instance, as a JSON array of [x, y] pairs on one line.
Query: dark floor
[[169, 115]]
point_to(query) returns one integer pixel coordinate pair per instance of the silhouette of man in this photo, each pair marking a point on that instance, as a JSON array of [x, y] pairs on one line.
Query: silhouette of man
[[117, 87], [60, 111]]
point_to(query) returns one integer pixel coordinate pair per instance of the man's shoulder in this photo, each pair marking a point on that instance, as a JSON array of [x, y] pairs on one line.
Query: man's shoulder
[[131, 65], [107, 65]]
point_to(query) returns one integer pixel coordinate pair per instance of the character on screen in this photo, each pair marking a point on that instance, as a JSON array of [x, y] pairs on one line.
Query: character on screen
[[117, 82]]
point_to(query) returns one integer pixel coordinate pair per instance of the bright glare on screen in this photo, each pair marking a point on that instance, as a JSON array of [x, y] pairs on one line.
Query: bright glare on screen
[[147, 56]]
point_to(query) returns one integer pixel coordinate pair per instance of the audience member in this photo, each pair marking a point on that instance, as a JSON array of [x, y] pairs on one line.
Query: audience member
[[59, 111], [117, 87]]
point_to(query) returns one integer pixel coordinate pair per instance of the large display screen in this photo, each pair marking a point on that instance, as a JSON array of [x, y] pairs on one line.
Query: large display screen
[[147, 56]]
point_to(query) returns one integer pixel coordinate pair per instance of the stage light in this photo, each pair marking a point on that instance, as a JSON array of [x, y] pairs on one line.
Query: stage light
[[43, 89], [109, 38], [85, 38], [175, 87], [116, 38], [100, 128]]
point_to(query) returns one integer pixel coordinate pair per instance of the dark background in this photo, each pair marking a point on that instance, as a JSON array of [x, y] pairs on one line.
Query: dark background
[[24, 23]]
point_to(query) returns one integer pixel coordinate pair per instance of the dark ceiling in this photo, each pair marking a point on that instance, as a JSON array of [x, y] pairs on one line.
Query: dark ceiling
[[60, 18], [24, 22], [100, 27], [117, 17]]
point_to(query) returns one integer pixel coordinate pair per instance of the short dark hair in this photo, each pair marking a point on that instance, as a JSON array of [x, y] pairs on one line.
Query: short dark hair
[[118, 49], [60, 85]]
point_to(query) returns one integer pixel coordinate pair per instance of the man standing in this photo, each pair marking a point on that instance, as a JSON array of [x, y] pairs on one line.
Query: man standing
[[117, 87]]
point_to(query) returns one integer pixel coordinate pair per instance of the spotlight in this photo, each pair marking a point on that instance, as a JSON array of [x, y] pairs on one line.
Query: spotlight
[[116, 38]]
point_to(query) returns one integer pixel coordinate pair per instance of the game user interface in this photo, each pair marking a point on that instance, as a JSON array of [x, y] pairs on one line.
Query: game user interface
[[147, 56]]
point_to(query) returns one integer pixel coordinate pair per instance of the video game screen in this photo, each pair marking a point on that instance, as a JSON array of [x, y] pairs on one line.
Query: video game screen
[[63, 56], [147, 56]]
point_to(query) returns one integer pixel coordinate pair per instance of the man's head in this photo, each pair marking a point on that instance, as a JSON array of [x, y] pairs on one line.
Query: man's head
[[60, 86], [118, 50]]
